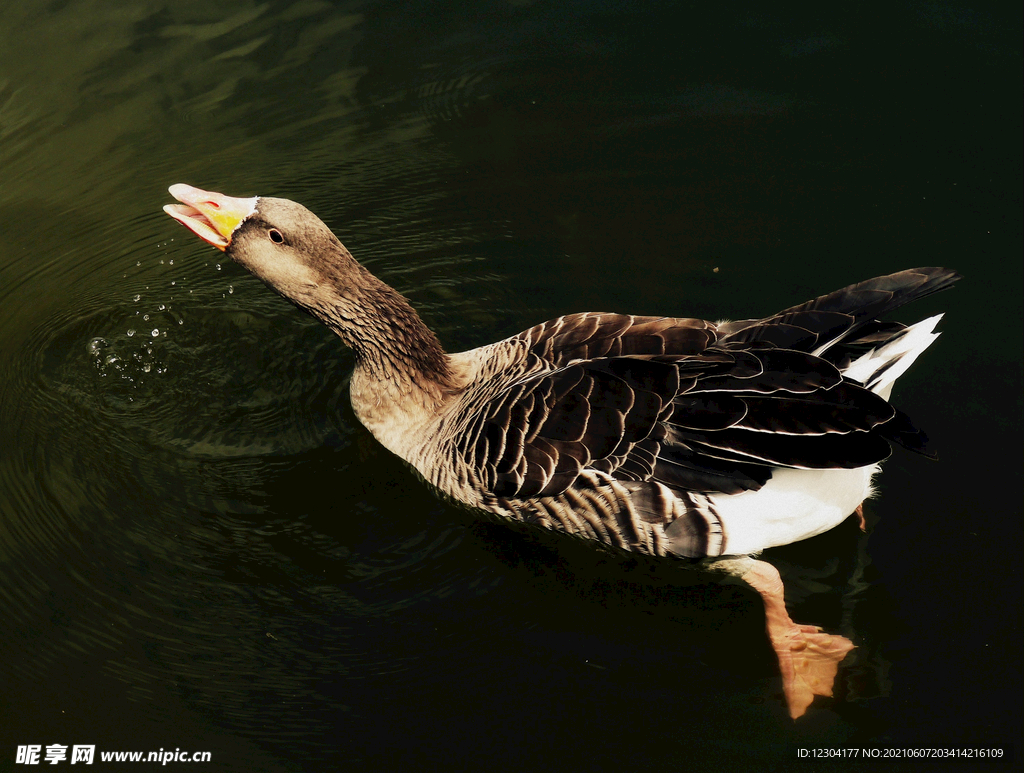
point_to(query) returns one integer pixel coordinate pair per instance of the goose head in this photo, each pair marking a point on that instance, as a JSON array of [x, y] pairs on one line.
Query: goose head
[[296, 254], [277, 240]]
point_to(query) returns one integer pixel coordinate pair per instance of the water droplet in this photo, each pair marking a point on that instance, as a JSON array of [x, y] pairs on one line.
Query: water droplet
[[171, 262], [97, 345], [146, 368], [181, 322], [145, 316], [131, 332], [161, 261], [218, 266], [156, 332], [230, 289], [161, 307], [138, 263]]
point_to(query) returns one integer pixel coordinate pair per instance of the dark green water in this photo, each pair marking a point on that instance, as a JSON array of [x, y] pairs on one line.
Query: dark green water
[[201, 549]]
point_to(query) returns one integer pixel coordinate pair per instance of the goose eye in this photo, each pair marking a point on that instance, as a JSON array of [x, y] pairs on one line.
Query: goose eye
[[275, 236]]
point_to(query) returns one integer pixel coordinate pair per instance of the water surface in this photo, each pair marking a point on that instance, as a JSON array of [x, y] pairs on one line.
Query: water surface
[[201, 548]]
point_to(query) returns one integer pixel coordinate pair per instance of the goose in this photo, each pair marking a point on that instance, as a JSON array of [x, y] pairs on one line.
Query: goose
[[666, 436]]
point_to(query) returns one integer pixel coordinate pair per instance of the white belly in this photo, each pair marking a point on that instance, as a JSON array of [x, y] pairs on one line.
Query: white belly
[[793, 505]]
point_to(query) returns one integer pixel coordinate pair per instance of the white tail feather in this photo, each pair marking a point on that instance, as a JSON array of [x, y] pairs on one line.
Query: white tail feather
[[879, 368]]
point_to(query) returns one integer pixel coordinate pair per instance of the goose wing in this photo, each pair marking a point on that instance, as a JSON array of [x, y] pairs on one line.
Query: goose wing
[[717, 420], [696, 406], [842, 322]]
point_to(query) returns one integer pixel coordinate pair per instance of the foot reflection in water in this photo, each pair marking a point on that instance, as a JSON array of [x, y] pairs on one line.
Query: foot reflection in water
[[808, 658]]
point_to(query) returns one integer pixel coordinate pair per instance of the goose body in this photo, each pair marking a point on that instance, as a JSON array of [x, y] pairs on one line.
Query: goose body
[[520, 449], [651, 434], [666, 436]]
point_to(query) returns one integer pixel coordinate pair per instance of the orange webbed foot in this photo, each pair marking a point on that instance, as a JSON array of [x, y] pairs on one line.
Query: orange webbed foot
[[808, 658]]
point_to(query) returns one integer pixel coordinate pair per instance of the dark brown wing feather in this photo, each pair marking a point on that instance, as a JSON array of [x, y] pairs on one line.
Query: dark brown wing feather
[[841, 313], [694, 406]]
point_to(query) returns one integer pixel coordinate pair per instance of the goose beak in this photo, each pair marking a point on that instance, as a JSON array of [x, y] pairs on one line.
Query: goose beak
[[213, 217]]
